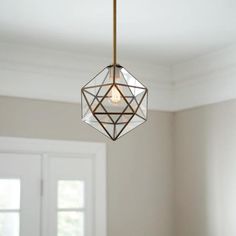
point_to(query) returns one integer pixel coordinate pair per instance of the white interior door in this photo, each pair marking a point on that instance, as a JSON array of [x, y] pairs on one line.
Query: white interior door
[[69, 196], [20, 176], [58, 191]]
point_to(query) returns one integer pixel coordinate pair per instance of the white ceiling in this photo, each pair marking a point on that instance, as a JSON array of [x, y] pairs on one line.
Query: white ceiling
[[162, 32], [184, 51]]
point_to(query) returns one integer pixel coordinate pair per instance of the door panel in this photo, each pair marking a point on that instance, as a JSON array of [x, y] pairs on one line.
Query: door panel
[[20, 176], [69, 194], [58, 192]]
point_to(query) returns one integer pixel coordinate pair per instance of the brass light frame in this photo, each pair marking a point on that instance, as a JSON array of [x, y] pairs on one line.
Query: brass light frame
[[114, 121]]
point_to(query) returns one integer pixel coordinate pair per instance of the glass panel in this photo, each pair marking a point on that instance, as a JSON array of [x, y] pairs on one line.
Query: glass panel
[[9, 194], [130, 79], [70, 224], [9, 224], [101, 78], [70, 194], [136, 121]]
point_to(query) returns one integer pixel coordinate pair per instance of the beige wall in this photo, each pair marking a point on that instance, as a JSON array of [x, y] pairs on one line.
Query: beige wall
[[146, 185], [205, 171], [139, 165]]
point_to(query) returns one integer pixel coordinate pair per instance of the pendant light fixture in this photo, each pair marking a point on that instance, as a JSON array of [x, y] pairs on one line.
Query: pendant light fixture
[[114, 102]]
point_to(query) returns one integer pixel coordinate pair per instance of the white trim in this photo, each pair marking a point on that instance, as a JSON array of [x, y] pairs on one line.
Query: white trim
[[50, 147], [49, 74], [205, 80]]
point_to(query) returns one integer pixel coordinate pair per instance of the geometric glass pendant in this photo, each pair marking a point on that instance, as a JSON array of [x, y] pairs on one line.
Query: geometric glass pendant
[[114, 105], [114, 102]]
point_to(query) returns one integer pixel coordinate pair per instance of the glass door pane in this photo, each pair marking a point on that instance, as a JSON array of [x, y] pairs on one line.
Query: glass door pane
[[70, 195], [9, 224], [10, 194], [70, 223], [70, 198], [9, 207]]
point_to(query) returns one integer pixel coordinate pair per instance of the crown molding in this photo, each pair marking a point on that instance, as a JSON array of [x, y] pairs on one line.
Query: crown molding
[[47, 74], [57, 75], [205, 80]]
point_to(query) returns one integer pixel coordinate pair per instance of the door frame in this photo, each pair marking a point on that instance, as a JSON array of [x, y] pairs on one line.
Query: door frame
[[46, 148]]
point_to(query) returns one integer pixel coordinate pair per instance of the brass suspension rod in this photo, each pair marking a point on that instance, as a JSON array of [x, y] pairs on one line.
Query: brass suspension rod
[[114, 31]]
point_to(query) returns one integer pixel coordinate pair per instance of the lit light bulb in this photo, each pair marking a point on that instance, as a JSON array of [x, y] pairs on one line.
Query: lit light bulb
[[115, 95]]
